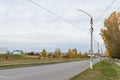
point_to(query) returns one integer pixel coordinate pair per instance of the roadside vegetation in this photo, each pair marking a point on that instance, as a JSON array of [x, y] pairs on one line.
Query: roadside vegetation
[[41, 58], [111, 35], [104, 70], [32, 61]]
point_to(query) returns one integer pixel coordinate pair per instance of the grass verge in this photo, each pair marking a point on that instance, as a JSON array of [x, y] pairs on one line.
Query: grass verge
[[104, 70], [32, 62]]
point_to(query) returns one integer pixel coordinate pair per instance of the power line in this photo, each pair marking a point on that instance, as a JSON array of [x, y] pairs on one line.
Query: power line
[[118, 7], [56, 15], [105, 11]]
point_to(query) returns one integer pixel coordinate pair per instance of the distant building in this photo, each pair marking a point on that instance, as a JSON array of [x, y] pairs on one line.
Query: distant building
[[17, 52], [3, 50]]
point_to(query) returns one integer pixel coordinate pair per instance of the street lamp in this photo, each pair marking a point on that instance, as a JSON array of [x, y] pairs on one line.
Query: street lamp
[[91, 41]]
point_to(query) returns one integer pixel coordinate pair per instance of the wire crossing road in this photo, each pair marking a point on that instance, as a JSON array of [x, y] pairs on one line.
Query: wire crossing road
[[62, 71]]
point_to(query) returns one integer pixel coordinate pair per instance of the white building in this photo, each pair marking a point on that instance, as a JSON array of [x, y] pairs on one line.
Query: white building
[[17, 51], [3, 50]]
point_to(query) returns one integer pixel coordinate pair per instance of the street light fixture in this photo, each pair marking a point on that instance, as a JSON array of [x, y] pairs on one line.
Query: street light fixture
[[91, 41]]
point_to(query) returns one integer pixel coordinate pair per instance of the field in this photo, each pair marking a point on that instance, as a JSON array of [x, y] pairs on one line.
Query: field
[[15, 61], [104, 70]]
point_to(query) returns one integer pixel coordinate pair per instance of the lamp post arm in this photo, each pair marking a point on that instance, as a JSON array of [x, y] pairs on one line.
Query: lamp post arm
[[85, 13], [91, 20]]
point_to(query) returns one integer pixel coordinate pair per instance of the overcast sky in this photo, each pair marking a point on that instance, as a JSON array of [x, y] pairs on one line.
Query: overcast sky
[[27, 27]]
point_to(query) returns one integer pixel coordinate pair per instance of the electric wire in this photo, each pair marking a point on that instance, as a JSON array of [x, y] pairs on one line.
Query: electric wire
[[56, 15], [59, 17], [99, 17], [105, 11]]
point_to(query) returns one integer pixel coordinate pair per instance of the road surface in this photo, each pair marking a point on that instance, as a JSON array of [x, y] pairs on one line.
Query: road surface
[[62, 71]]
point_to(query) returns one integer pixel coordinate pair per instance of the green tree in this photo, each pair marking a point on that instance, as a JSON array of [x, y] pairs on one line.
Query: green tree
[[49, 55], [111, 35], [44, 53], [80, 55], [31, 53]]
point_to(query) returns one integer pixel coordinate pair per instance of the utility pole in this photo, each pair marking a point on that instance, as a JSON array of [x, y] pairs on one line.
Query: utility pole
[[98, 48], [91, 49], [99, 51], [91, 40]]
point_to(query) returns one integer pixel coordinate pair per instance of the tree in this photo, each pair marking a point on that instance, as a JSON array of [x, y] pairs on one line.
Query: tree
[[80, 55], [69, 53], [44, 53], [72, 53], [111, 35], [49, 55], [31, 53], [57, 53], [85, 55]]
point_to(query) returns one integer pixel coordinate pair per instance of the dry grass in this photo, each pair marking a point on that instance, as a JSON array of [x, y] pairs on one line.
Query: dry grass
[[15, 61]]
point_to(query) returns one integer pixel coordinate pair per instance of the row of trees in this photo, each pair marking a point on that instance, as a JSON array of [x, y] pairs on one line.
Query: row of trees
[[72, 53], [111, 35]]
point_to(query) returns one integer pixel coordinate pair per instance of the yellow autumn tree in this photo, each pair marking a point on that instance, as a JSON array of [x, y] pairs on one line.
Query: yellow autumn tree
[[111, 35], [57, 53], [72, 53], [44, 53]]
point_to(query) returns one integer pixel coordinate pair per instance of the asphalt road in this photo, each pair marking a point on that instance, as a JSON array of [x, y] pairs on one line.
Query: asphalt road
[[62, 71]]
